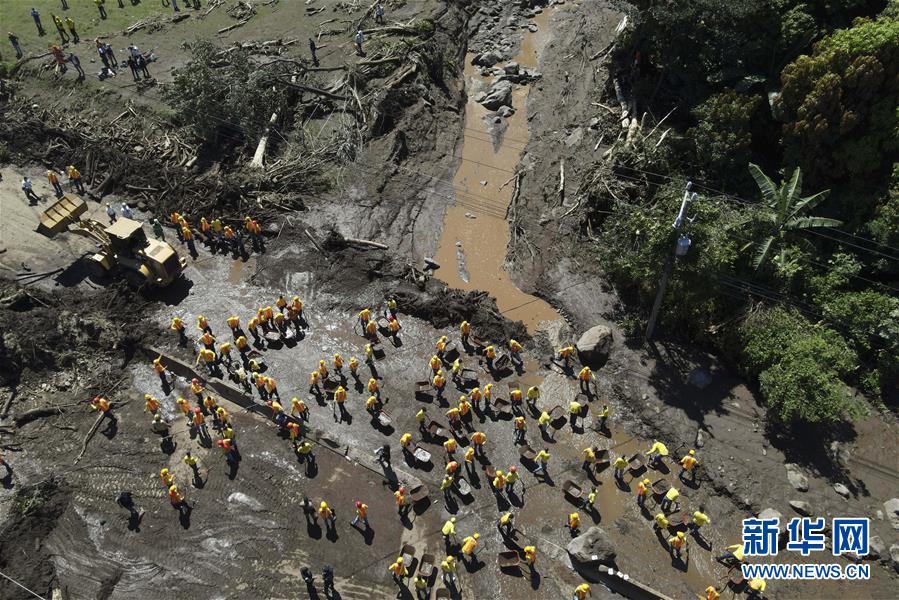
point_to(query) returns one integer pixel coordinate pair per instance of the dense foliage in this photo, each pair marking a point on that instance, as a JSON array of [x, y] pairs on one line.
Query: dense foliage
[[799, 288]]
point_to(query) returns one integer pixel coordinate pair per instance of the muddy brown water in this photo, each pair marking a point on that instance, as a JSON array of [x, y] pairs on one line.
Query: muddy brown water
[[473, 250]]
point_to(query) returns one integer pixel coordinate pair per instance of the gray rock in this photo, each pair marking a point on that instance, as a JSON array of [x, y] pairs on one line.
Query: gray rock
[[770, 513], [505, 111], [699, 441], [802, 507], [894, 556], [876, 548], [511, 68], [593, 123], [487, 59], [878, 515], [796, 478], [595, 346], [842, 490], [499, 94], [891, 508], [593, 546]]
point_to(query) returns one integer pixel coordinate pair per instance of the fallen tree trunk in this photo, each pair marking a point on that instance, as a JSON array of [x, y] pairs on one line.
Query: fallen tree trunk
[[369, 243]]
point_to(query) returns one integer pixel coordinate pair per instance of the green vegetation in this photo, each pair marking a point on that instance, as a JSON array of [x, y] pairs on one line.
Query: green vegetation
[[801, 293]]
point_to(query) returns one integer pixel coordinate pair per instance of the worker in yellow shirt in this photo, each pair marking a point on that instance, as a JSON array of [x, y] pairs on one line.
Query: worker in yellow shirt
[[403, 502], [757, 587], [450, 446], [541, 459], [711, 593], [506, 524], [475, 396], [588, 502], [699, 519], [151, 404], [422, 591], [589, 458], [543, 423], [435, 363], [661, 522], [457, 372], [439, 383], [446, 486], [530, 556], [479, 439], [575, 409], [364, 316], [464, 331], [327, 515], [581, 592], [178, 325], [656, 452], [373, 387], [421, 417], [688, 465], [299, 409], [314, 388], [670, 498], [448, 568], [732, 554], [515, 353], [574, 523], [565, 353], [354, 365], [499, 482], [469, 547], [449, 533], [533, 395], [511, 478], [643, 489], [678, 543], [521, 429], [601, 421], [399, 570], [490, 356]]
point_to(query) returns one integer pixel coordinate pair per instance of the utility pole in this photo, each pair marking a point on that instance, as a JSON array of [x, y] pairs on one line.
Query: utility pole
[[680, 249]]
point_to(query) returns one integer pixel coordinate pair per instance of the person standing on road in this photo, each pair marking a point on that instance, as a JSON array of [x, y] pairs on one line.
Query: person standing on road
[[101, 8], [60, 29], [111, 55], [14, 40], [357, 42], [28, 188], [158, 232], [37, 21], [379, 13], [133, 66], [126, 211], [77, 64], [53, 178], [142, 65], [110, 212], [73, 173]]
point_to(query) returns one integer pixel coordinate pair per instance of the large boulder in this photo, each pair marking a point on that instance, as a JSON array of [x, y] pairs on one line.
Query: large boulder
[[802, 507], [891, 507], [592, 547], [796, 478], [487, 59], [595, 346], [499, 94]]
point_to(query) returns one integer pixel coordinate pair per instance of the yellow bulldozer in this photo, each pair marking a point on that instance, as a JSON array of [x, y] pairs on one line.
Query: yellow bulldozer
[[123, 245]]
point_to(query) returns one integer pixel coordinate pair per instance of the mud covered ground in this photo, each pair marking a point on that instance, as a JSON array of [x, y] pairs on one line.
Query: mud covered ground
[[246, 537]]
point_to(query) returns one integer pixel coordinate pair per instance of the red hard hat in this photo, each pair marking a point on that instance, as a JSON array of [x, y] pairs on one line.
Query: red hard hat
[[358, 504], [197, 410], [195, 380], [513, 469], [402, 489]]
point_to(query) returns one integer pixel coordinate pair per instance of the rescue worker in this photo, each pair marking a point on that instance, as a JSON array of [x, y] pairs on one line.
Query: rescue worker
[[699, 520], [243, 346], [435, 363], [188, 236], [584, 377], [313, 383], [620, 465], [574, 411], [661, 522], [511, 477], [656, 452], [339, 399], [543, 423], [166, 478], [399, 571], [733, 553], [711, 593], [53, 178], [199, 423], [464, 408], [490, 356], [337, 361], [565, 354], [361, 514], [207, 340], [208, 358], [211, 406], [542, 459], [371, 330], [533, 395], [465, 331], [403, 502], [530, 556], [757, 587], [327, 515], [449, 532], [450, 446], [589, 458], [457, 372], [448, 568], [75, 178], [574, 523], [203, 324], [293, 429], [305, 454], [151, 404], [175, 497], [506, 525], [160, 371], [422, 591], [643, 489], [514, 351], [373, 405], [454, 415], [394, 326], [451, 469], [446, 486], [184, 407], [581, 592], [440, 346], [469, 547], [515, 399], [370, 355], [488, 395], [688, 465], [354, 365], [439, 383], [677, 543], [364, 316], [374, 388], [479, 439], [421, 417], [602, 418], [191, 461], [670, 498], [234, 323], [298, 409], [521, 427], [406, 443], [222, 415]]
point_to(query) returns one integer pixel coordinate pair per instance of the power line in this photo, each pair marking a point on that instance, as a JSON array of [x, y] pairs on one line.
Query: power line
[[11, 580]]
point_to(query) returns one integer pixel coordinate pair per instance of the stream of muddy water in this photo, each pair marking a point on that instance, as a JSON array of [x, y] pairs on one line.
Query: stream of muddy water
[[476, 233]]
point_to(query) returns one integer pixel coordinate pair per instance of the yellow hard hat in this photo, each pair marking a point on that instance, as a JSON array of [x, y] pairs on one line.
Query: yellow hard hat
[[692, 452], [163, 471], [681, 534], [647, 482], [477, 536], [323, 504], [399, 560], [453, 520]]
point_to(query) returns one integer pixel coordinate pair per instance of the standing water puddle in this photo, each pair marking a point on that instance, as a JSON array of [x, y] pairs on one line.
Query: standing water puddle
[[473, 250]]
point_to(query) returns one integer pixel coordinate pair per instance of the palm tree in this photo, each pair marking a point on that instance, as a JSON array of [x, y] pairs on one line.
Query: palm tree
[[785, 213]]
